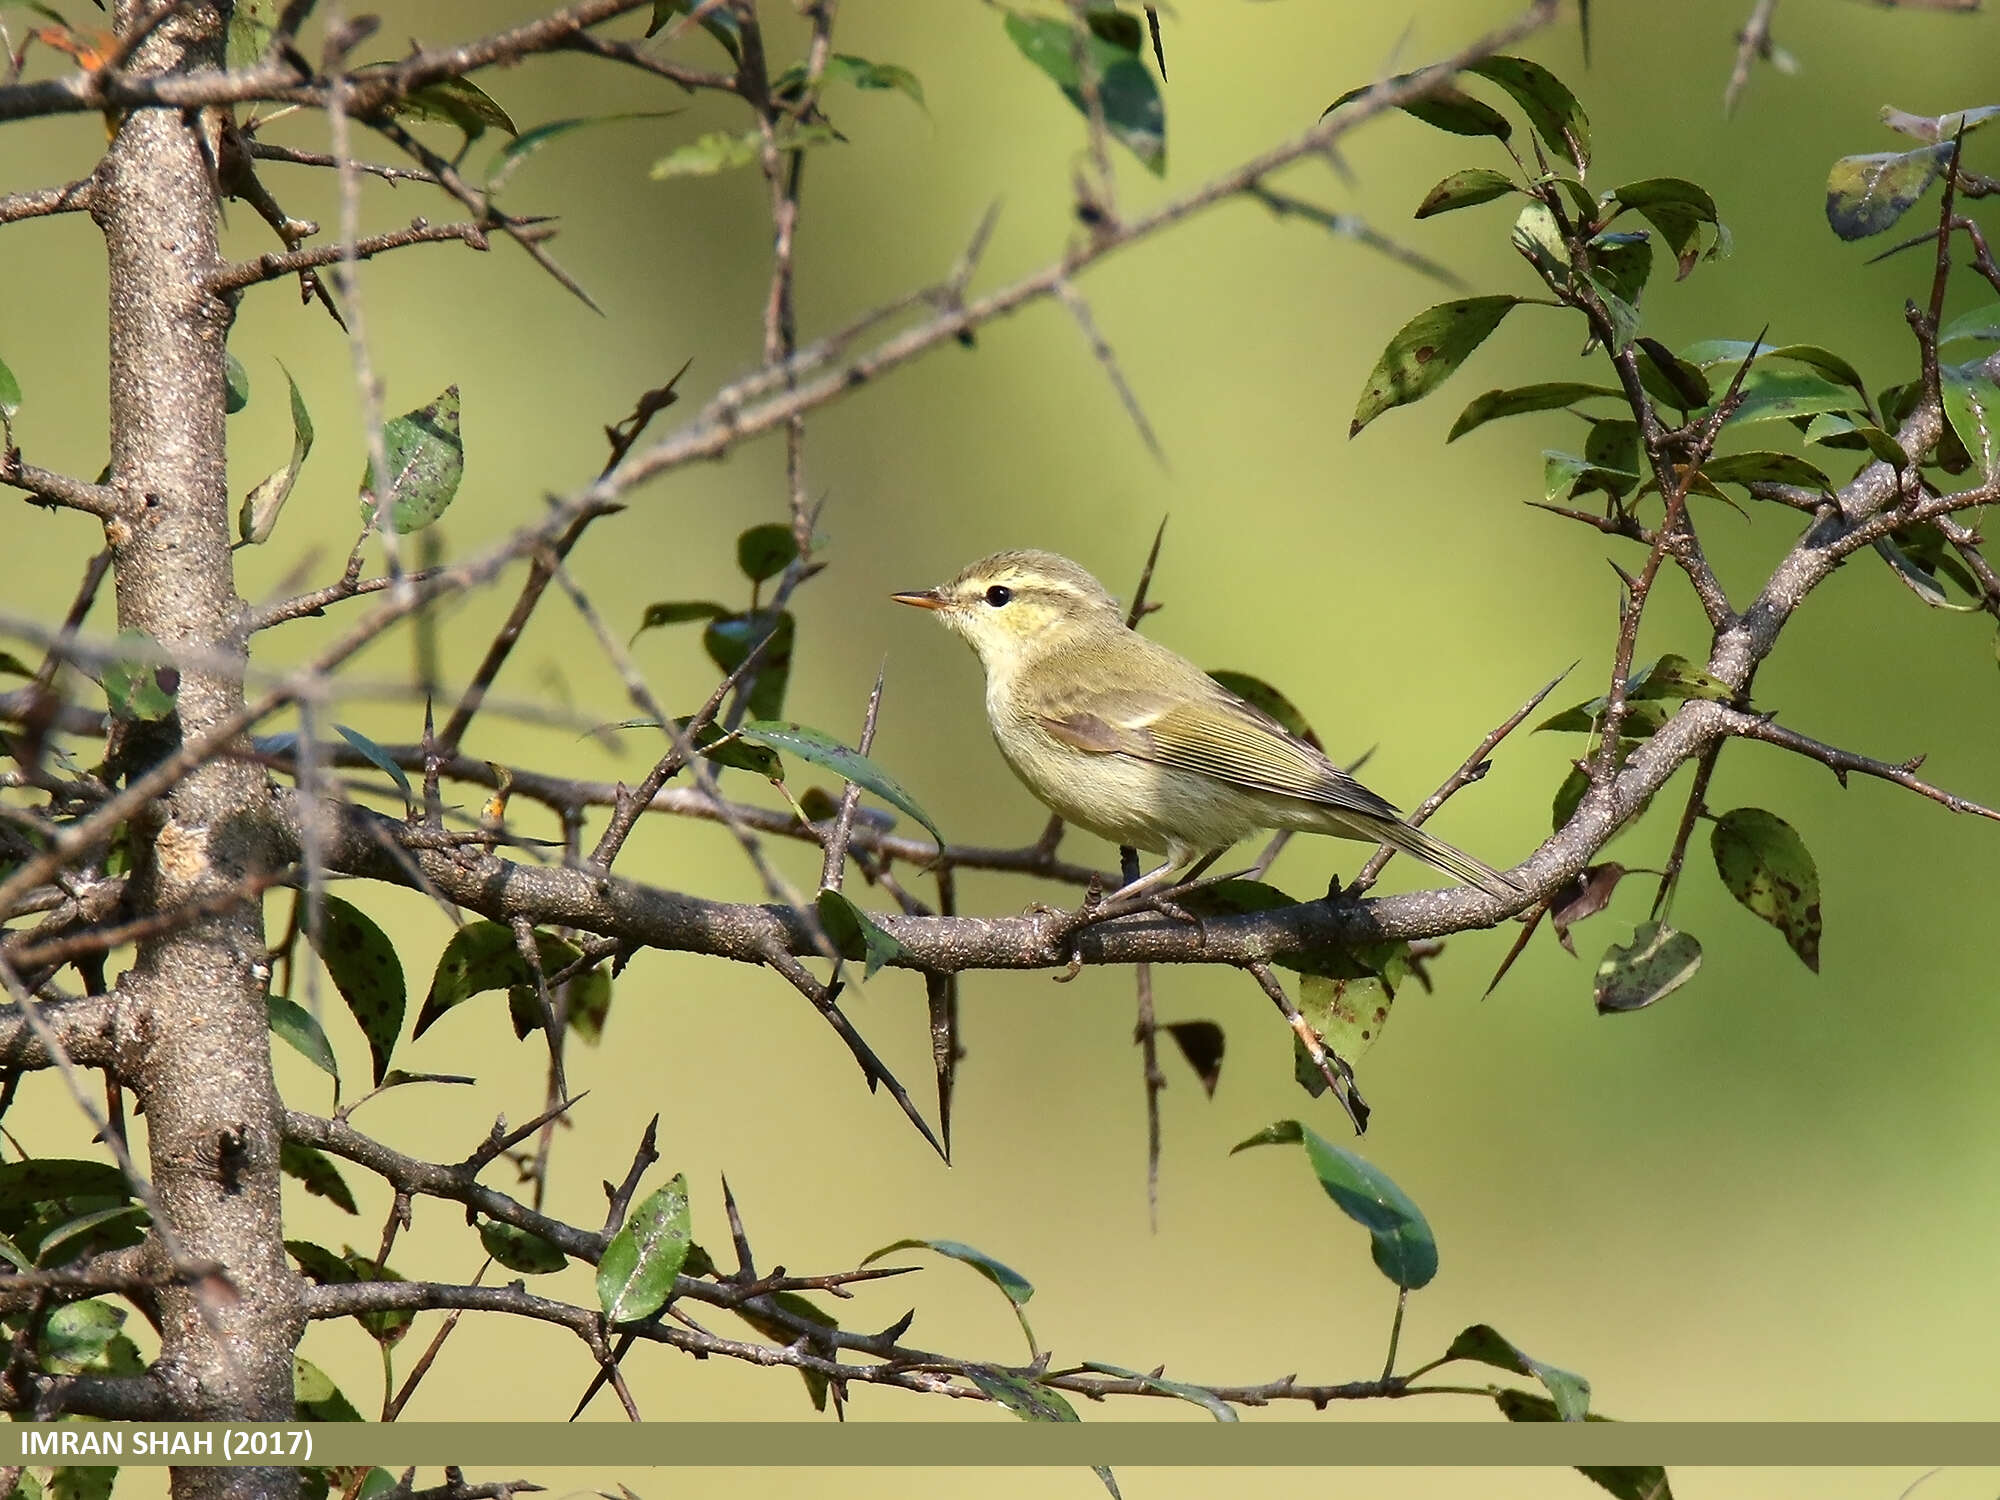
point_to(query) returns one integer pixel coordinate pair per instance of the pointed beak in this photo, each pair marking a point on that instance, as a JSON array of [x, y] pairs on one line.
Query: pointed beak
[[921, 598]]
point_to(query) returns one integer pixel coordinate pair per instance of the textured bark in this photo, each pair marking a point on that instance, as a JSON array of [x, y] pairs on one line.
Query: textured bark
[[203, 1070]]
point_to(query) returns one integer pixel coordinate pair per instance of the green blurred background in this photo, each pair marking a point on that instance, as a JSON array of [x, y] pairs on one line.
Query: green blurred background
[[1767, 1197]]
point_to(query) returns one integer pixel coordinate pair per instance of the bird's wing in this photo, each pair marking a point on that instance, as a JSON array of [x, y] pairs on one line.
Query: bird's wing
[[1223, 737]]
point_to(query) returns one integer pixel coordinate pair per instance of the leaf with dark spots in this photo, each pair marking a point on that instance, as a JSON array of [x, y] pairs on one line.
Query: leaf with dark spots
[[1767, 867], [1585, 896], [1425, 352], [1201, 1043], [636, 1274], [1348, 1014], [1777, 468], [483, 956], [363, 965], [140, 686], [316, 1170], [1867, 194], [1549, 105], [1464, 189], [423, 464], [1657, 962]]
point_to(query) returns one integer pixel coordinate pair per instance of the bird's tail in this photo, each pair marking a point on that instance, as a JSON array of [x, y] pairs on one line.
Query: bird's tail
[[1435, 851]]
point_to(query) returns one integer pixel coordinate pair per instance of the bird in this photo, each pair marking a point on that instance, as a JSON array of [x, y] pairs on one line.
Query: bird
[[1126, 738]]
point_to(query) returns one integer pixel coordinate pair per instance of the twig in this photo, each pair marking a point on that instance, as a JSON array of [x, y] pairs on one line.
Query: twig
[[834, 867], [1752, 42], [272, 266]]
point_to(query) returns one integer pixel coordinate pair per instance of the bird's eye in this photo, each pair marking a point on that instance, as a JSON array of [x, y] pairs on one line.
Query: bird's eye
[[998, 595]]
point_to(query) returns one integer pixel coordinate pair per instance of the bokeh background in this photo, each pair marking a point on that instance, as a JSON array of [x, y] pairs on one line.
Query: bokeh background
[[1769, 1196]]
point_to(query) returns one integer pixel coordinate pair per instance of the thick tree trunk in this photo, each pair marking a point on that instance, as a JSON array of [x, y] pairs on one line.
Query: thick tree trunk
[[204, 1073]]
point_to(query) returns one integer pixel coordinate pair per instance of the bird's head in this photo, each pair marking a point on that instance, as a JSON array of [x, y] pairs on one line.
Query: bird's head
[[1016, 605]]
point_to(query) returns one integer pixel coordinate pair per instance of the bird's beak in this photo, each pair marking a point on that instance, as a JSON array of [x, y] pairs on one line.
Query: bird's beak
[[921, 598]]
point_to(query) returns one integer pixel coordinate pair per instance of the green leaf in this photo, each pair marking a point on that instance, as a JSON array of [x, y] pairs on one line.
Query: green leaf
[[765, 551], [77, 1333], [1539, 238], [636, 1275], [316, 1397], [1568, 796], [1920, 577], [295, 1024], [1029, 1400], [1348, 1014], [135, 687], [1015, 1287], [823, 750], [1513, 402], [252, 24], [730, 640], [482, 956], [12, 665], [1621, 263], [365, 969], [426, 461], [1709, 353], [679, 612], [385, 1327], [259, 516], [1836, 430], [719, 151], [1201, 1396], [720, 23], [1260, 695], [1550, 107], [1867, 194], [1485, 1344], [1657, 962], [518, 1250], [1777, 468], [316, 1170], [1567, 474], [24, 1184], [1979, 323], [1405, 1251], [723, 749], [859, 72], [854, 935], [1134, 113], [1767, 867], [1938, 127], [1447, 109], [1670, 379], [1678, 209], [1972, 402], [320, 1263], [459, 102], [509, 158], [82, 1482], [379, 758], [1425, 351], [111, 1228], [1464, 189], [1771, 394], [777, 1331], [1032, 1401], [1612, 447], [235, 384]]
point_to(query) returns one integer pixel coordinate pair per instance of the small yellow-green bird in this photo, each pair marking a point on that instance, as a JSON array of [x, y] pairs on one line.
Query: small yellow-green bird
[[1137, 744]]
